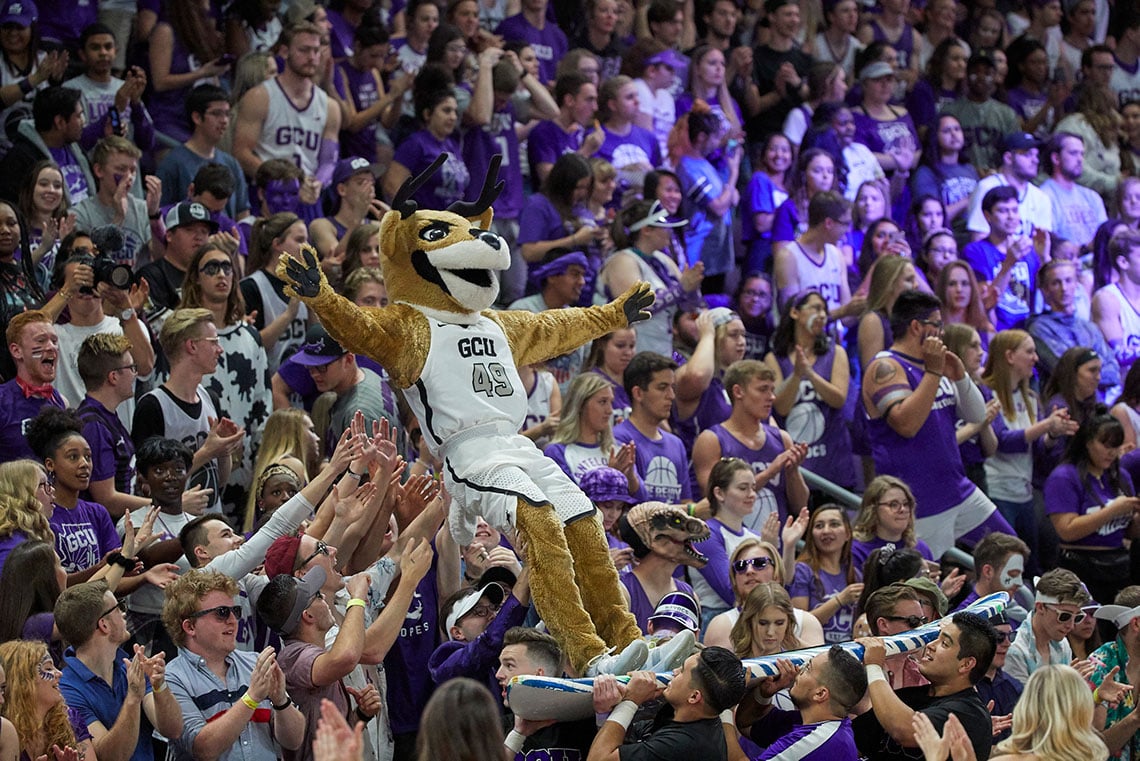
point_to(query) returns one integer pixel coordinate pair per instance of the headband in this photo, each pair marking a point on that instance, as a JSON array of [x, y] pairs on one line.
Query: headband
[[559, 266], [276, 469], [1087, 356]]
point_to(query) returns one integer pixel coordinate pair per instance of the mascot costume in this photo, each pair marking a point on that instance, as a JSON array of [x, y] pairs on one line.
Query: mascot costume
[[455, 359]]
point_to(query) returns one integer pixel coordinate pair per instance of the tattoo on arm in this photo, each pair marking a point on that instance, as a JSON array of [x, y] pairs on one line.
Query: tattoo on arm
[[884, 371]]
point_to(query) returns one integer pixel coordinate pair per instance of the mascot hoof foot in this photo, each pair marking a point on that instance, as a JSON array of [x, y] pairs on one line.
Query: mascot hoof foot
[[671, 653], [630, 659]]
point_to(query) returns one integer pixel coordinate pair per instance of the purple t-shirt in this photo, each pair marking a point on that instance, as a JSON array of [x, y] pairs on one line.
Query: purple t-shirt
[[662, 465], [1064, 493], [16, 412], [83, 535], [683, 104], [883, 136], [112, 451], [549, 43], [547, 141], [499, 137], [1015, 303], [9, 543], [361, 85], [409, 683], [540, 221], [836, 629], [297, 378], [786, 225], [640, 146], [447, 185]]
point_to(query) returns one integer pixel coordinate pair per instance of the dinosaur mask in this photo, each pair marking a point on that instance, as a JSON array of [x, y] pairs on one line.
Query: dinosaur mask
[[665, 530]]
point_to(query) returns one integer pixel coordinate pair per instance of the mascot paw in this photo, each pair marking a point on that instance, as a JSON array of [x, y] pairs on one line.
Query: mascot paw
[[302, 279], [671, 653], [637, 302], [630, 659]]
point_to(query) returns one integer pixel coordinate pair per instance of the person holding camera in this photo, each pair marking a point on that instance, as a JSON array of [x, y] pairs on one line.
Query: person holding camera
[[99, 308], [115, 162]]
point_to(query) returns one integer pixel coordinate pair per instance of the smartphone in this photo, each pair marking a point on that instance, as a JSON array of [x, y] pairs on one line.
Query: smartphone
[[894, 237], [116, 120]]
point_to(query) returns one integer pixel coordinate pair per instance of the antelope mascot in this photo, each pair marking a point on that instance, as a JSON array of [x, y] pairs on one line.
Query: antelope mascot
[[455, 359]]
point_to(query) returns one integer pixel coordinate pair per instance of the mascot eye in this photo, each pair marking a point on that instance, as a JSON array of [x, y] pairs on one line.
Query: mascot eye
[[433, 234]]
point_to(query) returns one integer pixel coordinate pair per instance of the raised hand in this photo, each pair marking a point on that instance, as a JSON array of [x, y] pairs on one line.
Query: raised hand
[[637, 302], [794, 529], [934, 746], [303, 278], [334, 740]]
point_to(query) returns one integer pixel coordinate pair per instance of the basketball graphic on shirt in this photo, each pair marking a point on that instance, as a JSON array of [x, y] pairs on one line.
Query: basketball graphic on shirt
[[805, 423], [764, 506], [661, 480]]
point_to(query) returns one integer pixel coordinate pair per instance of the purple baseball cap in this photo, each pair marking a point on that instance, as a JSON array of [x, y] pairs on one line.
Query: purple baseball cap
[[22, 12], [319, 348]]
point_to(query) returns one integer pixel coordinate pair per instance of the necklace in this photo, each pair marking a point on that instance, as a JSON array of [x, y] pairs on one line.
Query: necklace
[[838, 57]]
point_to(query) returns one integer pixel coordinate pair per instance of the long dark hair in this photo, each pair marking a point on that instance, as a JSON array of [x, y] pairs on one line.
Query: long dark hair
[[784, 340], [1131, 393], [565, 174], [1104, 428], [28, 585], [1063, 381], [810, 555]]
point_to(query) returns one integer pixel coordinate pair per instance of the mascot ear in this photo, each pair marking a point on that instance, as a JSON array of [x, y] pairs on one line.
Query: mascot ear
[[389, 225], [480, 209]]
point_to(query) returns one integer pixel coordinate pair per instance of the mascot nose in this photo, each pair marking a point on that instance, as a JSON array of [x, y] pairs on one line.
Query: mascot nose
[[490, 239]]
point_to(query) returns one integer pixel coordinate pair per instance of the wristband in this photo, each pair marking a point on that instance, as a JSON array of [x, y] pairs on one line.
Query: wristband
[[727, 718], [283, 705], [514, 741], [1096, 697], [119, 559], [355, 602], [26, 85], [692, 510], [623, 713], [875, 674], [156, 216], [357, 476], [250, 703], [763, 700], [931, 372], [157, 688]]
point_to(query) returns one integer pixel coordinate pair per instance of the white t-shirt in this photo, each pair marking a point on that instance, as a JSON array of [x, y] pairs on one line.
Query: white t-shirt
[[1036, 208], [659, 105], [862, 166]]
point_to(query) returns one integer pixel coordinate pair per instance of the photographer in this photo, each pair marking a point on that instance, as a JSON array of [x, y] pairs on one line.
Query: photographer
[[115, 162], [101, 308]]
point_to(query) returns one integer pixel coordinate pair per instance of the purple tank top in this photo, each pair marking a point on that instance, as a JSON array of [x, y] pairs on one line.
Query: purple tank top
[[774, 496], [168, 108], [816, 423], [361, 85], [930, 462], [639, 604], [904, 46]]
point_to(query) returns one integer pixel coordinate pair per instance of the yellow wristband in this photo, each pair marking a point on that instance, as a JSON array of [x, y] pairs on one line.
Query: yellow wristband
[[1096, 696], [161, 687], [250, 703], [355, 602]]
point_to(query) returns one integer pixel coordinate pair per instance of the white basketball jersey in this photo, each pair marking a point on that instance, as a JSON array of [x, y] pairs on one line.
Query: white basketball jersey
[[826, 278], [273, 307], [293, 133], [469, 379]]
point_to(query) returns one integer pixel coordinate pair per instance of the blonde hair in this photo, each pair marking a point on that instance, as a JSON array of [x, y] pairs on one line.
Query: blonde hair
[[1053, 718], [181, 326], [769, 549], [283, 436], [184, 594], [22, 659], [764, 595], [997, 376], [867, 521], [581, 390], [20, 509]]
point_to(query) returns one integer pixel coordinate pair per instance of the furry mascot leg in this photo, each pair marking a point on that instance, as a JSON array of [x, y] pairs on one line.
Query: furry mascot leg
[[597, 581]]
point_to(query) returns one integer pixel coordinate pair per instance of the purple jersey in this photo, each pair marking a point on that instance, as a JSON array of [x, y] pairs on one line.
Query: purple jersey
[[547, 141], [824, 741], [447, 185], [16, 412], [662, 465], [409, 683], [639, 605], [499, 136], [1066, 492], [929, 462], [904, 46], [361, 87], [639, 146], [773, 497], [816, 423], [549, 43], [83, 535], [818, 590], [112, 451]]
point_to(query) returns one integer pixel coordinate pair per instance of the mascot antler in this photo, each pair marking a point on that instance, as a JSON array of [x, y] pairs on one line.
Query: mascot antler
[[487, 195], [403, 202]]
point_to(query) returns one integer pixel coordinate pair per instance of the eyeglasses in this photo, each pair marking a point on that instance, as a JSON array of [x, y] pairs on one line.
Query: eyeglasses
[[482, 611], [211, 339], [742, 566], [755, 294], [221, 612], [932, 323], [134, 368], [895, 506], [121, 605], [322, 549], [912, 621], [216, 266], [1064, 616], [318, 595], [47, 486]]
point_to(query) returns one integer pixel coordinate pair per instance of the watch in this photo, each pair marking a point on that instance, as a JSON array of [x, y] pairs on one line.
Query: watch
[[127, 314], [282, 706]]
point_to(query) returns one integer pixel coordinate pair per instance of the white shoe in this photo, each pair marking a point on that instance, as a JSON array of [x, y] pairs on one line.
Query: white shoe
[[671, 654], [630, 659]]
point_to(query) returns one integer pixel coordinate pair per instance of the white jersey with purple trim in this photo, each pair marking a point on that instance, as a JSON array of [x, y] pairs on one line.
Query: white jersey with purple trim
[[293, 133]]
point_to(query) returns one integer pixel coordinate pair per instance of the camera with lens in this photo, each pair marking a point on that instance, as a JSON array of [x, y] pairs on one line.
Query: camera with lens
[[108, 241]]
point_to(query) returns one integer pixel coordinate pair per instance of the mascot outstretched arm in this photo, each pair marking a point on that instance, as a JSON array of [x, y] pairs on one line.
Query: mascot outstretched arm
[[456, 361]]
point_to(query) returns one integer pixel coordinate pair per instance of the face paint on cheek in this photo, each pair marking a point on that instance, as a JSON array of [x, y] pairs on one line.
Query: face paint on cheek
[[815, 318], [282, 195], [1015, 563]]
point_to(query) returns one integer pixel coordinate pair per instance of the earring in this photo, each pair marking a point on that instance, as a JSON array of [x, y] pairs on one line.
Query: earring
[[51, 478]]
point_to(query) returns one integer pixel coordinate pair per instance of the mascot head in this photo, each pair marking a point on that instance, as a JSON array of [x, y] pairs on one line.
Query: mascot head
[[444, 260]]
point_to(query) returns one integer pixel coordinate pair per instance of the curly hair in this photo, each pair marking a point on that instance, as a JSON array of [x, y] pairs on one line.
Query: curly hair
[[867, 521], [22, 660], [184, 594], [764, 595], [20, 508]]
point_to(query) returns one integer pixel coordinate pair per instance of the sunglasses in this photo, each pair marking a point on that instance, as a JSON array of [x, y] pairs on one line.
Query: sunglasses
[[222, 612], [322, 549], [1003, 636], [121, 605], [216, 266], [1064, 616], [741, 566], [912, 621]]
